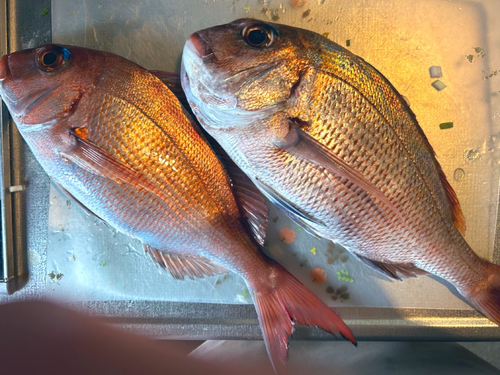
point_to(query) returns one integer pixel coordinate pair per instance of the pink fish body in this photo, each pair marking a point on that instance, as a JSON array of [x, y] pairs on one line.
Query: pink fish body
[[328, 139], [116, 139]]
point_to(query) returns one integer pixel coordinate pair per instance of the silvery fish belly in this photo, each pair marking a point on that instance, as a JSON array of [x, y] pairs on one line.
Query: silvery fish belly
[[331, 142], [115, 138]]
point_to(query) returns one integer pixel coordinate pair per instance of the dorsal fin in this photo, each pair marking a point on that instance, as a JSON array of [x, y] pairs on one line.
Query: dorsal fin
[[249, 199], [180, 266], [456, 210], [392, 270], [172, 81]]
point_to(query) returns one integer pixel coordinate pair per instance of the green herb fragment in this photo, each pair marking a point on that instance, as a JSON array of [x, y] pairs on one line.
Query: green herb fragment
[[470, 58], [348, 42], [44, 12], [435, 71], [438, 85], [344, 276], [445, 125]]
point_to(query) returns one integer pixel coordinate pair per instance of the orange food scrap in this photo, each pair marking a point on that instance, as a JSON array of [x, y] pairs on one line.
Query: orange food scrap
[[287, 235], [318, 276], [298, 3]]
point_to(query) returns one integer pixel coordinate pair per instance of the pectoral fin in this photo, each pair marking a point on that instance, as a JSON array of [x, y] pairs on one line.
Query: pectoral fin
[[92, 158], [312, 225], [393, 270], [300, 144]]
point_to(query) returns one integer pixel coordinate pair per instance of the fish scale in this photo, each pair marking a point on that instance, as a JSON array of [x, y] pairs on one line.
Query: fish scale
[[329, 140]]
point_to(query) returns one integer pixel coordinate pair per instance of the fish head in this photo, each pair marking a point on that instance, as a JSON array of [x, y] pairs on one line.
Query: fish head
[[44, 85], [244, 67]]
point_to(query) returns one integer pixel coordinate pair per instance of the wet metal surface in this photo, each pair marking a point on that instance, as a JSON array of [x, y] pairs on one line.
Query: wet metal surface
[[105, 273]]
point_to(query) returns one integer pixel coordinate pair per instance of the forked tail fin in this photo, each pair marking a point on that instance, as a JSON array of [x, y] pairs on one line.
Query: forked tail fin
[[486, 298], [286, 302]]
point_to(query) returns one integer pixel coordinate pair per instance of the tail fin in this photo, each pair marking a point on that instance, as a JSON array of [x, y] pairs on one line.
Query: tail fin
[[282, 304], [487, 298]]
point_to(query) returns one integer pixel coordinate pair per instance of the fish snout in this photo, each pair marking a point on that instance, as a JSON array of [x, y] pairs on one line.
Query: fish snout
[[4, 68], [198, 46]]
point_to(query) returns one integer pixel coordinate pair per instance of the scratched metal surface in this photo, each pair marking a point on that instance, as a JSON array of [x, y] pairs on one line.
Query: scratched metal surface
[[86, 261], [26, 218]]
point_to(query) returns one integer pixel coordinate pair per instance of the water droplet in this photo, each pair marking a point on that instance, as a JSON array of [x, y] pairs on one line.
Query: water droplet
[[472, 155], [459, 174]]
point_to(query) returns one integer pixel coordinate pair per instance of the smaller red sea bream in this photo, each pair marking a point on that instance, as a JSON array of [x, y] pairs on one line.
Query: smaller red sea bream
[[116, 139]]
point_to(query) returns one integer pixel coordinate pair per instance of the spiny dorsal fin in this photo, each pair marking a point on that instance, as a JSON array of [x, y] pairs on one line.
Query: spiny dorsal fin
[[392, 270], [172, 81], [180, 266], [249, 199], [456, 210]]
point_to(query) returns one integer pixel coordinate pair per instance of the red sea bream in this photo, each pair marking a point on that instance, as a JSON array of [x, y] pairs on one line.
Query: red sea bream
[[115, 138], [329, 140]]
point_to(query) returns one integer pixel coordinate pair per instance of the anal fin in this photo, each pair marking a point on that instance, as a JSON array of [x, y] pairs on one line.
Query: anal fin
[[180, 266], [393, 270]]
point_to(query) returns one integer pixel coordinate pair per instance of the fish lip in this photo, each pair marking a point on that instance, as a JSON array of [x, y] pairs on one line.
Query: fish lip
[[198, 46], [4, 68]]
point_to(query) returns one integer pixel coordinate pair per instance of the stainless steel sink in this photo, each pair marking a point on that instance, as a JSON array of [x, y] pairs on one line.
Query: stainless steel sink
[[74, 258]]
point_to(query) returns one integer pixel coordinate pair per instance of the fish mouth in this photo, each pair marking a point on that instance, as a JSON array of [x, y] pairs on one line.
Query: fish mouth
[[4, 68], [198, 46]]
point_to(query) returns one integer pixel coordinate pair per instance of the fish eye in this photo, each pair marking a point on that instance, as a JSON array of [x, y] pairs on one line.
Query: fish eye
[[50, 58], [258, 35]]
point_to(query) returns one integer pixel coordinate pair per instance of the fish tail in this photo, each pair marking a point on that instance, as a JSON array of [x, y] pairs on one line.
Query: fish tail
[[286, 301], [486, 296]]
